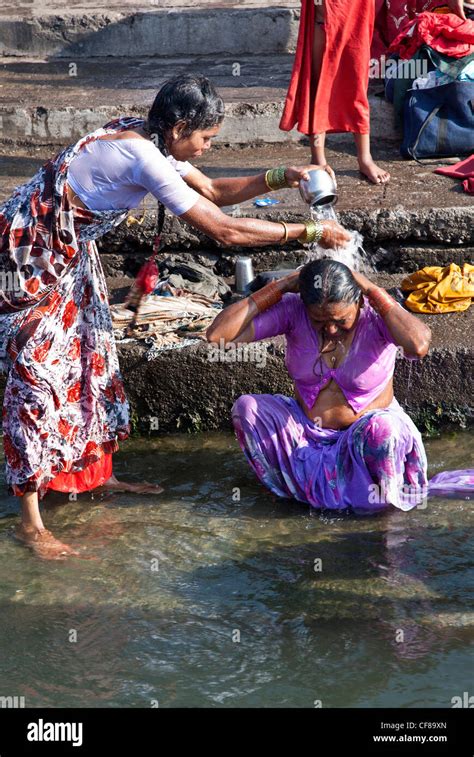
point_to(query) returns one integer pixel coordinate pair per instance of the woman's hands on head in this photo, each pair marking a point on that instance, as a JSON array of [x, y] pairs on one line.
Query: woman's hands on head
[[363, 282], [291, 283]]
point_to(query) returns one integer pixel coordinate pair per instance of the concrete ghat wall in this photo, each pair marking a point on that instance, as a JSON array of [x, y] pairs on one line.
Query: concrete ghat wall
[[245, 123], [183, 390], [162, 33]]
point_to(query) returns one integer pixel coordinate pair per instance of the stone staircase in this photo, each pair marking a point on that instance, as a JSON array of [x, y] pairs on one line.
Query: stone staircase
[[66, 71]]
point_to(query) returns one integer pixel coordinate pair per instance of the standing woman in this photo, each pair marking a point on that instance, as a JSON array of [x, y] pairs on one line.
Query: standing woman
[[65, 407], [328, 87], [330, 77]]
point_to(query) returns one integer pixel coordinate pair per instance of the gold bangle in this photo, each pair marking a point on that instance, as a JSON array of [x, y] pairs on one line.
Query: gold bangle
[[285, 238], [313, 232], [275, 178]]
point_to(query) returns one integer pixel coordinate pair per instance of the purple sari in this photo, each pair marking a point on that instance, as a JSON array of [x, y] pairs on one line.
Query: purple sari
[[377, 462]]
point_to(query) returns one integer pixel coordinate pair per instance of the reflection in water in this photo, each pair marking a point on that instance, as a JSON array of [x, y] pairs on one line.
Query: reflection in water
[[197, 598]]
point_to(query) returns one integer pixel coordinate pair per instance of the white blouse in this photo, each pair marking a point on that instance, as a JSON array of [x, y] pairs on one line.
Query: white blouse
[[114, 174]]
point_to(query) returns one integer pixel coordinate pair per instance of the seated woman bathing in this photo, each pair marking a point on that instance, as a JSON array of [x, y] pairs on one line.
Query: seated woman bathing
[[64, 406], [344, 442]]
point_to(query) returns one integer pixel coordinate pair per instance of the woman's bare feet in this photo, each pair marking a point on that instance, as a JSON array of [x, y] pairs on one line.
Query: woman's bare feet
[[43, 544], [373, 172], [113, 484]]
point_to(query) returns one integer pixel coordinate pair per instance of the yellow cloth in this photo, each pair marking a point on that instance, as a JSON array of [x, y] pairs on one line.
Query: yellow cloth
[[440, 290]]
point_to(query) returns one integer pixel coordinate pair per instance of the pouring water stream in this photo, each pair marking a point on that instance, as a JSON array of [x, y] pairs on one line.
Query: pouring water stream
[[354, 255]]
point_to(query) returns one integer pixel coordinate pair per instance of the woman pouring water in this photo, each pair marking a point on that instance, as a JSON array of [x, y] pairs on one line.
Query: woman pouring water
[[343, 442], [65, 408]]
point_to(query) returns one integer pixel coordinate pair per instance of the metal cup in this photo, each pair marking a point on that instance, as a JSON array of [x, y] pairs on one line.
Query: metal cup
[[320, 189], [244, 275]]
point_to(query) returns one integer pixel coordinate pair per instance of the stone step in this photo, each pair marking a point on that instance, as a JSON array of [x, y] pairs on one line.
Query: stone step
[[153, 29], [420, 218], [26, 9], [57, 101]]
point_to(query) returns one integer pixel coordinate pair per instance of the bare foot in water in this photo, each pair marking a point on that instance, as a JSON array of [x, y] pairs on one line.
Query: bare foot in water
[[113, 484], [373, 173], [43, 544]]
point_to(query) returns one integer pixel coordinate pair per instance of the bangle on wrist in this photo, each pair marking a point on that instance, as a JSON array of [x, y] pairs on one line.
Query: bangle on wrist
[[313, 232], [380, 300], [269, 295], [285, 237], [275, 178]]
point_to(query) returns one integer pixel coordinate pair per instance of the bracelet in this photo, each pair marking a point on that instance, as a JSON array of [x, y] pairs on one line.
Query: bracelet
[[285, 238], [267, 296], [275, 178], [313, 232], [380, 300]]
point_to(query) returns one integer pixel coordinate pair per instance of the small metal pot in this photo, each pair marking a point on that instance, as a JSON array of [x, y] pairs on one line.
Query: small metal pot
[[320, 189], [244, 275]]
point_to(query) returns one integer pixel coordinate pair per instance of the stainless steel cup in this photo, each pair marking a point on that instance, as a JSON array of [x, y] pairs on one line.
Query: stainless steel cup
[[320, 189], [244, 275]]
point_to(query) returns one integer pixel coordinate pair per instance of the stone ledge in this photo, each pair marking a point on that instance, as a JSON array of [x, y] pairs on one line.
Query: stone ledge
[[184, 391], [166, 32]]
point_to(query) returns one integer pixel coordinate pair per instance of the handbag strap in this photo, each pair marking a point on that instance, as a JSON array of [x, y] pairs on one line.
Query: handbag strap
[[426, 122]]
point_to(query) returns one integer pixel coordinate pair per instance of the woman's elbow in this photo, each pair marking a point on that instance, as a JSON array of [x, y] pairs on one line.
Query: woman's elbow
[[211, 335], [421, 346], [225, 233], [227, 237], [214, 333]]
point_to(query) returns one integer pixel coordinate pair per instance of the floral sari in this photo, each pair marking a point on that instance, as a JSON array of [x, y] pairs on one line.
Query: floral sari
[[64, 406]]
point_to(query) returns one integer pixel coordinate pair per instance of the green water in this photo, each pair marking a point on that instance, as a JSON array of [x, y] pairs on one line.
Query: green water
[[176, 578]]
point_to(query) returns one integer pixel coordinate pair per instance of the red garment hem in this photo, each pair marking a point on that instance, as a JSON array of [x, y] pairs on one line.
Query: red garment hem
[[42, 485], [92, 476], [332, 130]]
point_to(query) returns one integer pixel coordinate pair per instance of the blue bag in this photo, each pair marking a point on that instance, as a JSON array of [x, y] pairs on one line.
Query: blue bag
[[439, 121]]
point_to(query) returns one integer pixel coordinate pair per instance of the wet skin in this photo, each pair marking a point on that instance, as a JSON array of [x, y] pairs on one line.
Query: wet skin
[[335, 325]]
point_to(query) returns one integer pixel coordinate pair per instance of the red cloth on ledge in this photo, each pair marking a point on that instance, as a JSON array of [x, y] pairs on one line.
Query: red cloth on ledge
[[446, 33], [340, 102], [462, 170], [91, 477], [389, 17]]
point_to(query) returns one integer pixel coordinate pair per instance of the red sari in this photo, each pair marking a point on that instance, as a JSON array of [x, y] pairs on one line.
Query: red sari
[[339, 103]]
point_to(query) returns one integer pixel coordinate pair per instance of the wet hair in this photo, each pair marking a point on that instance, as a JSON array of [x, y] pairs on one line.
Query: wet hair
[[327, 281], [191, 98]]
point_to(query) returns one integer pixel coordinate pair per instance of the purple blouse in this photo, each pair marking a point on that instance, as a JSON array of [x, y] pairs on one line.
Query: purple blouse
[[364, 373]]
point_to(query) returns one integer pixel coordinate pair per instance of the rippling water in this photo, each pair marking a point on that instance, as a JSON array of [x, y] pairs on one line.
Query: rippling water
[[176, 579]]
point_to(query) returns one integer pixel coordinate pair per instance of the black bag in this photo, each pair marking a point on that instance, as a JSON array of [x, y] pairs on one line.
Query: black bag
[[267, 276]]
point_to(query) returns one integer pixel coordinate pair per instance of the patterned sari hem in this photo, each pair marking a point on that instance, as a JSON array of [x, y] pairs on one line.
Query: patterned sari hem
[[40, 485]]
